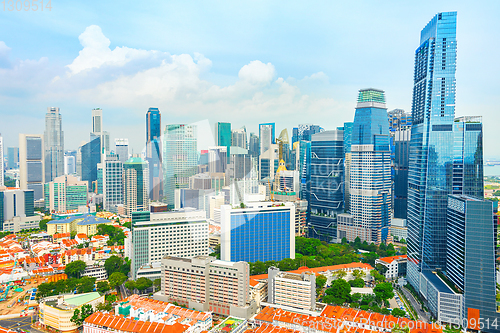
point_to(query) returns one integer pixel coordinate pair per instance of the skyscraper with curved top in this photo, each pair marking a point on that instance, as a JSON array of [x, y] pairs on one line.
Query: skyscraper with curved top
[[154, 153], [431, 145]]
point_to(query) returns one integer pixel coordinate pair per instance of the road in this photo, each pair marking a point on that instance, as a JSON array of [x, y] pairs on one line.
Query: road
[[21, 323], [416, 305]]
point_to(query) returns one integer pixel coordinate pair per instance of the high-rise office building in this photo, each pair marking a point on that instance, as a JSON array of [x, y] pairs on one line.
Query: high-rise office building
[[400, 129], [69, 165], [326, 175], [217, 159], [254, 145], [17, 210], [65, 193], [154, 153], [266, 136], [468, 156], [347, 165], [268, 162], [54, 144], [13, 155], [431, 145], [121, 149], [180, 158], [89, 156], [2, 164], [180, 233], [370, 172], [239, 138], [470, 260], [304, 132], [98, 130], [304, 167], [261, 231], [135, 185], [112, 182], [31, 164], [223, 136]]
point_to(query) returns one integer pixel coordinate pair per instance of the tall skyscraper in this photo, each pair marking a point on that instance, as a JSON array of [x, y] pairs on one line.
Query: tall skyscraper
[[54, 144], [266, 136], [65, 193], [326, 188], [154, 153], [217, 159], [347, 165], [112, 182], [13, 155], [121, 149], [370, 172], [400, 129], [239, 137], [254, 145], [431, 145], [180, 158], [135, 186], [70, 162], [223, 136], [90, 156], [31, 164], [98, 130], [2, 164]]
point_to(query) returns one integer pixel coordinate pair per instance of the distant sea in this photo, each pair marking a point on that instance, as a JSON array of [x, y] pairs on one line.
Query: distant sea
[[492, 170]]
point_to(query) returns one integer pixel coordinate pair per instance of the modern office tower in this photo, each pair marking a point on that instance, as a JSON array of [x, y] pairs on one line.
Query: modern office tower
[[121, 149], [296, 290], [400, 129], [54, 144], [305, 169], [261, 231], [31, 163], [431, 145], [181, 233], [2, 164], [239, 138], [468, 156], [13, 155], [154, 153], [135, 186], [17, 210], [207, 284], [266, 136], [304, 132], [223, 136], [347, 165], [254, 145], [180, 158], [217, 159], [370, 172], [470, 260], [65, 193], [326, 188], [98, 130], [240, 165], [90, 156], [69, 165], [269, 162], [112, 183]]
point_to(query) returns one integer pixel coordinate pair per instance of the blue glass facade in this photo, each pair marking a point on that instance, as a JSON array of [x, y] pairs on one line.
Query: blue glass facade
[[91, 155], [305, 169], [223, 136], [153, 153], [326, 189], [431, 145], [260, 236]]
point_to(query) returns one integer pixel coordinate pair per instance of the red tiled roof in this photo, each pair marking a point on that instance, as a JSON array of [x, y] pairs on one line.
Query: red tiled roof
[[64, 235], [391, 259], [128, 325]]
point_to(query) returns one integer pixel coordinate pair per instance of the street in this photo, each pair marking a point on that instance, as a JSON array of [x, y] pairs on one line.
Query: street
[[416, 305], [21, 323]]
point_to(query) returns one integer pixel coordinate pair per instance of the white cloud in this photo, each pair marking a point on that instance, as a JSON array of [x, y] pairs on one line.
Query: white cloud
[[257, 72]]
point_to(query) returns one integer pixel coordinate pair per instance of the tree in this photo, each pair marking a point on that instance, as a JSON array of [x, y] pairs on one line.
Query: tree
[[80, 315], [370, 257], [357, 273], [106, 306], [156, 283], [113, 264], [398, 313], [384, 291], [86, 284], [143, 283], [130, 285], [103, 286], [43, 224], [377, 276], [307, 246], [116, 279], [258, 267], [356, 297], [216, 252], [357, 283], [75, 268], [320, 282], [338, 293], [128, 225], [340, 274], [110, 298], [381, 269]]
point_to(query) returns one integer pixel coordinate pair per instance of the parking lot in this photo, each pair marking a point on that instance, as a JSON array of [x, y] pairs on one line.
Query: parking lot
[[19, 324]]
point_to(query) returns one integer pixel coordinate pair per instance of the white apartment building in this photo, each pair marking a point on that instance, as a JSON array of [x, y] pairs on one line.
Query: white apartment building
[[396, 266], [291, 289]]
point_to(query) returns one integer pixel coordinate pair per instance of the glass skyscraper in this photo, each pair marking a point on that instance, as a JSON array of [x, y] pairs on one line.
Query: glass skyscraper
[[431, 145], [153, 153], [135, 185], [54, 145], [223, 136], [266, 136]]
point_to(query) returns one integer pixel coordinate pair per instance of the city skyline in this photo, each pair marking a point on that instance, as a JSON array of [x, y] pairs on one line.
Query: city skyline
[[259, 83]]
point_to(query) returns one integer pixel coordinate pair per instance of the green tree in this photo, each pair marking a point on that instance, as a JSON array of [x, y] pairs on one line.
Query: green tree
[[370, 258], [340, 274], [113, 264], [86, 284], [106, 306], [306, 246], [357, 283], [287, 264], [128, 225], [357, 273], [398, 312], [381, 268], [384, 291], [43, 224], [116, 279], [75, 268], [103, 286], [258, 267], [377, 276], [356, 297], [80, 315], [130, 285], [143, 283], [157, 283], [216, 252], [320, 282], [338, 293]]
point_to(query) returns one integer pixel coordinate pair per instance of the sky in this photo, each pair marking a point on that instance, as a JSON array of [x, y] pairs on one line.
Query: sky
[[244, 62]]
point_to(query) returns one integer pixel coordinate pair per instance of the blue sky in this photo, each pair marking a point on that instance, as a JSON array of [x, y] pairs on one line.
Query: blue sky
[[245, 62]]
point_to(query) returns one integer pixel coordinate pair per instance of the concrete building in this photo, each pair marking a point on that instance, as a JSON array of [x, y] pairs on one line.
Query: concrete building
[[181, 233], [112, 183], [261, 231], [17, 210], [54, 144], [396, 266], [78, 223], [135, 186], [2, 162], [217, 159], [207, 284], [13, 158], [56, 311], [32, 163], [98, 130], [399, 229], [151, 271], [239, 138], [291, 290], [268, 161], [121, 150], [65, 193], [97, 271]]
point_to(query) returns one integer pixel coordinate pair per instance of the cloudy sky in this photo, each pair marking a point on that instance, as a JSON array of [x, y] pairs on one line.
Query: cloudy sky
[[244, 62]]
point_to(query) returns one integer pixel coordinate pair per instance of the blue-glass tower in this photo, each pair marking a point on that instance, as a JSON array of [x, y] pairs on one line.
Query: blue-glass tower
[[431, 145], [223, 136], [154, 153]]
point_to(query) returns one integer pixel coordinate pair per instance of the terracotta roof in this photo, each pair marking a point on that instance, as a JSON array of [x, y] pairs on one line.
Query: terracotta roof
[[118, 323], [391, 259], [64, 235]]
